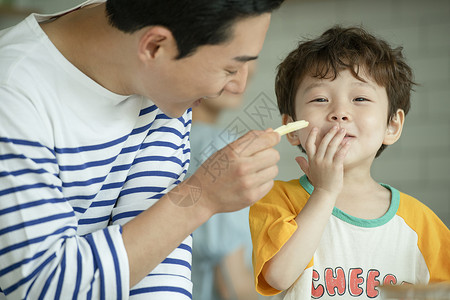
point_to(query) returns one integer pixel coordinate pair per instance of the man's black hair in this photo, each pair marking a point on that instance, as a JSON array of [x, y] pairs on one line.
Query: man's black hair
[[193, 23]]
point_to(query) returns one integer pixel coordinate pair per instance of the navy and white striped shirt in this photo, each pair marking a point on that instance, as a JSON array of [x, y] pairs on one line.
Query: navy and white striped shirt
[[77, 162]]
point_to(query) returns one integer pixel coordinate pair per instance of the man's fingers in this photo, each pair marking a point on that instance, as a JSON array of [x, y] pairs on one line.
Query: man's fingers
[[265, 175], [258, 192], [265, 188], [262, 160], [254, 141]]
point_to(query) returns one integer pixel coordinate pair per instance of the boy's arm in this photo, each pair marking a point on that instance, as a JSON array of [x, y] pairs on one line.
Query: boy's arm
[[288, 264], [325, 170]]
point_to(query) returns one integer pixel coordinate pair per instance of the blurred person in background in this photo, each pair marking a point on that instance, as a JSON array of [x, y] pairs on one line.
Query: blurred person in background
[[221, 253]]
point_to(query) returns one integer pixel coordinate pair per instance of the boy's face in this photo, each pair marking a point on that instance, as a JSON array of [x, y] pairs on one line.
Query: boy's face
[[210, 71], [359, 107]]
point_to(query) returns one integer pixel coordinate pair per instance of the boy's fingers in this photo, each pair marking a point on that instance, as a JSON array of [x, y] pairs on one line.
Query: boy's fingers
[[334, 144], [303, 163], [342, 152], [310, 144], [321, 150], [328, 146]]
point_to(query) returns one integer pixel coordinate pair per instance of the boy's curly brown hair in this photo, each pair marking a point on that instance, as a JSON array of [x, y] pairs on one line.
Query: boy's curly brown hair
[[339, 49]]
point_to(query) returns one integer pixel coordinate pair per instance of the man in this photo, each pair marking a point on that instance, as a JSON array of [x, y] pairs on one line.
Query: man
[[94, 132]]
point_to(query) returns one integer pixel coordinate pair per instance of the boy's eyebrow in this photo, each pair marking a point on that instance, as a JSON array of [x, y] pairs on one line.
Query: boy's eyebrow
[[358, 83], [244, 58], [311, 86], [361, 83]]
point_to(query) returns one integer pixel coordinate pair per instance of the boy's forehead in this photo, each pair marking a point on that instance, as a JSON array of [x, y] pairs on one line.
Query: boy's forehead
[[359, 78]]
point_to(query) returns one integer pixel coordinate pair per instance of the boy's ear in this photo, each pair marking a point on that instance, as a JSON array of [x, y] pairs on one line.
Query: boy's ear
[[156, 40], [291, 136], [394, 128]]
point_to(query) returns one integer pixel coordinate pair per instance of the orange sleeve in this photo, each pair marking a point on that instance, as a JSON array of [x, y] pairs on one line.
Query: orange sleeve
[[433, 236], [272, 224]]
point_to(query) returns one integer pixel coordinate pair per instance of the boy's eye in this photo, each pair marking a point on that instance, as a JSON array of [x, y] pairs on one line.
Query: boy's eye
[[319, 100], [360, 99]]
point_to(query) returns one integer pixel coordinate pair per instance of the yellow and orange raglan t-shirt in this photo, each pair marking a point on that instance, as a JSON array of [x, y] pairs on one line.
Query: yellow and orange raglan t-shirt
[[409, 244]]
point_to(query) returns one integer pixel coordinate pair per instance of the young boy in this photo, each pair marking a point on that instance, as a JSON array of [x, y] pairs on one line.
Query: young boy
[[336, 232]]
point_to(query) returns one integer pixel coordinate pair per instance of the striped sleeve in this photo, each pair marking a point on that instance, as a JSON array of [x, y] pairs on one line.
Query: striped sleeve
[[159, 166], [41, 254]]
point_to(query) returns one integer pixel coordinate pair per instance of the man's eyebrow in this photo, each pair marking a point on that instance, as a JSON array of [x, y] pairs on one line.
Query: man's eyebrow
[[245, 58]]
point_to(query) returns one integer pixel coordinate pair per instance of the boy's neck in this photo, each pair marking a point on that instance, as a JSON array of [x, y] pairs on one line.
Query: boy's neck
[[363, 197]]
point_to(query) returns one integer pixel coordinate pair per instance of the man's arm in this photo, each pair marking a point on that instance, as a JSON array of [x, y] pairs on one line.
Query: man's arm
[[233, 178]]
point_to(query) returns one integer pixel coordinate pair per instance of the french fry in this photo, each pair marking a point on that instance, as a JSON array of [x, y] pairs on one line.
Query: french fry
[[285, 129]]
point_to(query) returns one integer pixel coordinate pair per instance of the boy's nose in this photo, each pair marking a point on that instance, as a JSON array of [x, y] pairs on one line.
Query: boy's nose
[[339, 117]]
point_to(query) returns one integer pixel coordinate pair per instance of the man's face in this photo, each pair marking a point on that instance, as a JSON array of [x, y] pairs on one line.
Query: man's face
[[210, 71]]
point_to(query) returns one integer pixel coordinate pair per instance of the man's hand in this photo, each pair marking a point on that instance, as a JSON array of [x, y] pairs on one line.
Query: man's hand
[[233, 178], [240, 174]]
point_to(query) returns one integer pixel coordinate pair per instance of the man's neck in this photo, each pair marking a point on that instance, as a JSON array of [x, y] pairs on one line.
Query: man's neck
[[88, 41], [203, 114]]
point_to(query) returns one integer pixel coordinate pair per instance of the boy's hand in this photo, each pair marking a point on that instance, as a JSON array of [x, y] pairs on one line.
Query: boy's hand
[[325, 165]]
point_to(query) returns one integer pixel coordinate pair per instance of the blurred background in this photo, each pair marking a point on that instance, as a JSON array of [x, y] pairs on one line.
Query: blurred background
[[419, 164]]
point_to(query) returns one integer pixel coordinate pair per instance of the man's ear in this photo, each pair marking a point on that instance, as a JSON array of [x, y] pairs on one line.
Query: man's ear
[[291, 136], [156, 41], [394, 128]]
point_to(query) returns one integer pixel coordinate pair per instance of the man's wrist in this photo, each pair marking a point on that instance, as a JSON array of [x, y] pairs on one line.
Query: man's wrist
[[191, 195]]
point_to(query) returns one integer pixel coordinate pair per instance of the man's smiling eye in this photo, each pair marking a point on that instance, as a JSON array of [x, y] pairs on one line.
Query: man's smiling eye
[[231, 72]]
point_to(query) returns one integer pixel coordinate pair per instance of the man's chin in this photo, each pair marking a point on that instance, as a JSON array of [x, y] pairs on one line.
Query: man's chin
[[175, 112], [197, 103]]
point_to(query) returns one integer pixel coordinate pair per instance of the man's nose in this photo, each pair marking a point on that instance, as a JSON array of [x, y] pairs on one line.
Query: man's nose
[[237, 84]]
